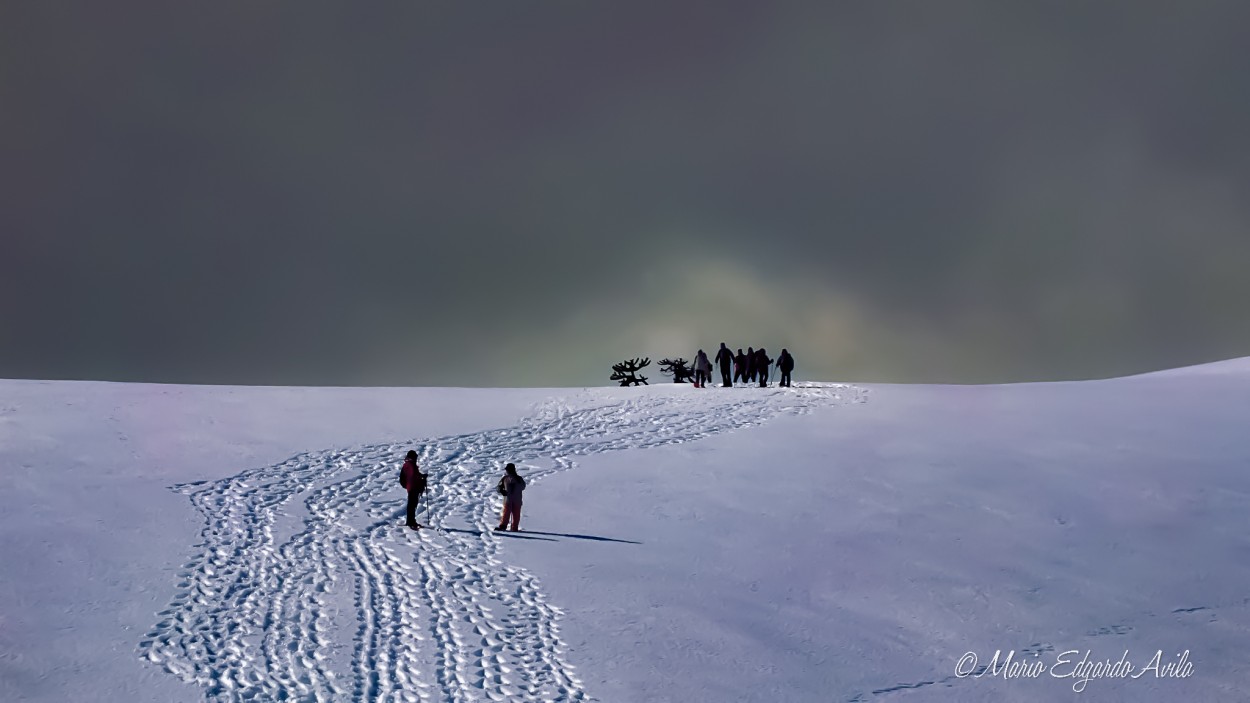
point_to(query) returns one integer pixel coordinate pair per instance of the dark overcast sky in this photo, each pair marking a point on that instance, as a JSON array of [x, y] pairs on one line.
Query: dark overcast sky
[[524, 193]]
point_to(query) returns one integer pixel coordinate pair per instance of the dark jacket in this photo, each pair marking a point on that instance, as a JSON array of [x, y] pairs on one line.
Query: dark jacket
[[724, 357], [761, 360], [785, 362]]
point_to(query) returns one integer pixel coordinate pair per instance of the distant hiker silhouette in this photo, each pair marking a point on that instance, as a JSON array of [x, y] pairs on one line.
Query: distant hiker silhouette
[[740, 366], [725, 360], [785, 364], [702, 370], [751, 359], [510, 487], [411, 478], [761, 366]]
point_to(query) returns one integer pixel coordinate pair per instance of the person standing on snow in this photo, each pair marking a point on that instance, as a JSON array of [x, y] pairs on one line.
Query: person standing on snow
[[740, 367], [761, 366], [410, 477], [510, 487], [702, 370], [785, 364], [725, 360], [751, 359]]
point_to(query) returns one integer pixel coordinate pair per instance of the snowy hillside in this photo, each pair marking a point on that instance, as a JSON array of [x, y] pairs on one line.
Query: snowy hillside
[[822, 543]]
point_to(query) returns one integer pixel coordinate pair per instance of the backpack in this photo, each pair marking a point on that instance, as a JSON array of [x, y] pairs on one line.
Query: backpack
[[403, 482], [502, 491]]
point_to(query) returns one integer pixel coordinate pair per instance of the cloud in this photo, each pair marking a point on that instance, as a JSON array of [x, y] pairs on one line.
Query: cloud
[[445, 196], [681, 306]]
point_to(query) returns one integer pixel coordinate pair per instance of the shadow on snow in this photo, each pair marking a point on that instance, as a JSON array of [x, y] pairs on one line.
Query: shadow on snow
[[530, 535]]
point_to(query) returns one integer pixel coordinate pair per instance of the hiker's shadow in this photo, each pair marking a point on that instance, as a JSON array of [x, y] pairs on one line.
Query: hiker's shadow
[[590, 537], [542, 536]]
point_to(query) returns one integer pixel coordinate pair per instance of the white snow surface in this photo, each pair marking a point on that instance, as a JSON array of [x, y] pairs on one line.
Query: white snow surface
[[829, 542]]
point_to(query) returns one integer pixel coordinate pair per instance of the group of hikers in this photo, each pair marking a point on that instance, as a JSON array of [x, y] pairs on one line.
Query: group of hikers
[[510, 487], [746, 367]]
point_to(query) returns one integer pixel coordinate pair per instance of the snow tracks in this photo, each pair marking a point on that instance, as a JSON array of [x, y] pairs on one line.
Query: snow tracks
[[306, 585]]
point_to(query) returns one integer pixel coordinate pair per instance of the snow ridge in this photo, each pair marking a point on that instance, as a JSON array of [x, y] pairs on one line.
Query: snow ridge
[[299, 559]]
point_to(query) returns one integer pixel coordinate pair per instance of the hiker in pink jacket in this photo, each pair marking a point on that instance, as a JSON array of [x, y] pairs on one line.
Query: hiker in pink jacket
[[511, 487], [411, 478]]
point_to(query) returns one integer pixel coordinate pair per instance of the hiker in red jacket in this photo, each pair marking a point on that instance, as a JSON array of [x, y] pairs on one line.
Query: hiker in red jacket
[[410, 477]]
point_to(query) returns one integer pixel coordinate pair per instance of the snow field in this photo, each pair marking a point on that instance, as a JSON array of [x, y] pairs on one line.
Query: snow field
[[261, 611]]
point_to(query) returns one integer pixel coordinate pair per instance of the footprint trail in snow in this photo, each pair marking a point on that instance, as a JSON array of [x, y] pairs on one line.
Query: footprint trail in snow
[[306, 585]]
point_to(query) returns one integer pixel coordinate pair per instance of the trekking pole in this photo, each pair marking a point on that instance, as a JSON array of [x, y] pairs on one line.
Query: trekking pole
[[429, 520]]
